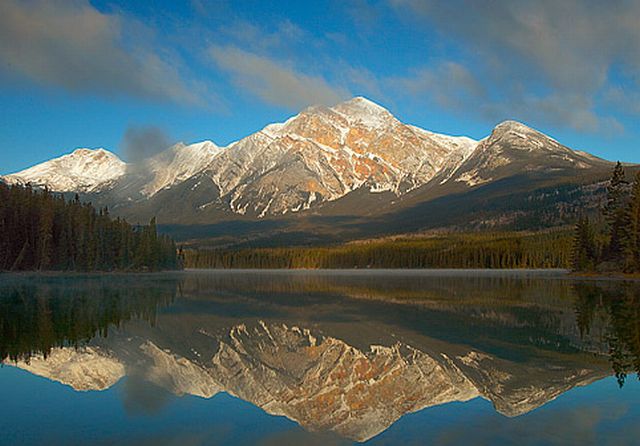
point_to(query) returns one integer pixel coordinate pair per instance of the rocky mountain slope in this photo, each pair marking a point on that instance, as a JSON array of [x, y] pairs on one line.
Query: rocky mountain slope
[[354, 159], [513, 146]]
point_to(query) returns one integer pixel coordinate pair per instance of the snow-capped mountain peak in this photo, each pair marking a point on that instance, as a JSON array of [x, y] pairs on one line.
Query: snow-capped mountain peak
[[360, 110], [83, 170], [177, 164], [324, 153], [519, 130], [520, 136], [511, 124], [355, 112]]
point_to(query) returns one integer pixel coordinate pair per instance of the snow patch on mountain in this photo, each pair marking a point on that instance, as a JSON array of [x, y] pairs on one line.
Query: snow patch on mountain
[[83, 170], [178, 164], [360, 110]]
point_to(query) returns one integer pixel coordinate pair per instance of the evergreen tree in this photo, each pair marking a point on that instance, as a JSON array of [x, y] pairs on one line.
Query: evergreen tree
[[632, 237], [615, 214], [584, 250]]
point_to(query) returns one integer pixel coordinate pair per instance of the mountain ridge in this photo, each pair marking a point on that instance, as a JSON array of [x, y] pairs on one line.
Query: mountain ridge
[[353, 159]]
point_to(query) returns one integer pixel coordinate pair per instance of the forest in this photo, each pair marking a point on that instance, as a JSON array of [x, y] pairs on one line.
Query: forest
[[43, 231], [611, 241], [551, 249]]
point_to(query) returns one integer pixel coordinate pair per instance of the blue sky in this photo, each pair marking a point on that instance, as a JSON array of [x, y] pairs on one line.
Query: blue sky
[[75, 73]]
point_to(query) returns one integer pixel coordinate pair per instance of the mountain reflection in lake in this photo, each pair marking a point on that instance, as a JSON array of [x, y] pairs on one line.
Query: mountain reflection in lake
[[344, 355]]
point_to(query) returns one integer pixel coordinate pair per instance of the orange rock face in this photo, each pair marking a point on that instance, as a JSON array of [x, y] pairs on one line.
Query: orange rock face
[[356, 144]]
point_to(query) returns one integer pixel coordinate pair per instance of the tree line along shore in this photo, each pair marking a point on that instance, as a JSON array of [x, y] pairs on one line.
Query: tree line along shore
[[551, 249], [43, 231]]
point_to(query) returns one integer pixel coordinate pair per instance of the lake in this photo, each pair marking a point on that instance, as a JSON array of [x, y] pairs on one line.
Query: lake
[[319, 357]]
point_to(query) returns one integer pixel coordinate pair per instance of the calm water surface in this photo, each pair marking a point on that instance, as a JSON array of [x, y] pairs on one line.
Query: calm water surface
[[376, 357]]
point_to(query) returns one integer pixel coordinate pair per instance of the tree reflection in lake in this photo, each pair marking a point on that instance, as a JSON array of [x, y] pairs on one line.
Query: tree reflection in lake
[[615, 308], [38, 313]]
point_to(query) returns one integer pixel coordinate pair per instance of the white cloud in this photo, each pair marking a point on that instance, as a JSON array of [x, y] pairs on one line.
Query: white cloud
[[275, 82], [72, 45], [450, 84], [546, 60]]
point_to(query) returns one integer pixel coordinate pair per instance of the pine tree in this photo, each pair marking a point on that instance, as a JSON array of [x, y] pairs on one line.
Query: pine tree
[[45, 232], [615, 214], [632, 237], [584, 250]]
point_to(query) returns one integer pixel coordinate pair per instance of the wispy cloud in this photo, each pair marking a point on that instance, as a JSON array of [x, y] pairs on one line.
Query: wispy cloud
[[450, 84], [72, 45], [571, 44], [546, 60], [284, 35], [276, 82], [624, 99], [363, 13]]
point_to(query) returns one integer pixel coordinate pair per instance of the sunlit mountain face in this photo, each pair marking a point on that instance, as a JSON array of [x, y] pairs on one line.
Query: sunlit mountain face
[[343, 354], [338, 173]]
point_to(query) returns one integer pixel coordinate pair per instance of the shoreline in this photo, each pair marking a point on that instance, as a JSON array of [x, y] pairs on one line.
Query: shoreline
[[633, 277], [86, 273], [417, 270], [551, 272]]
